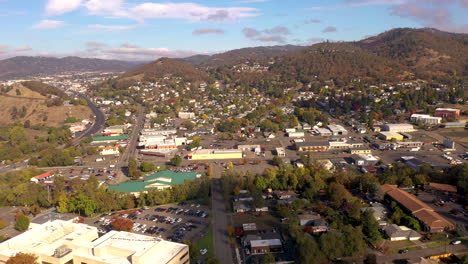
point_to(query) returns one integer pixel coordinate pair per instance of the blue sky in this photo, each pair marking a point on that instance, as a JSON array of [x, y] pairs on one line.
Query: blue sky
[[148, 29]]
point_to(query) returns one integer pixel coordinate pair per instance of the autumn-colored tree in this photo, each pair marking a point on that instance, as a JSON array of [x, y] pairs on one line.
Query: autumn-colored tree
[[122, 224], [22, 223], [3, 223], [23, 258]]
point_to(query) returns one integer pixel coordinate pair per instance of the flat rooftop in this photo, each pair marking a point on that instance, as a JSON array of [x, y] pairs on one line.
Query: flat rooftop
[[135, 245]]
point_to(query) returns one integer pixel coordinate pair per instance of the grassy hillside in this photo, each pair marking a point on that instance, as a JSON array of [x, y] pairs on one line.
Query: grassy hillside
[[22, 103]]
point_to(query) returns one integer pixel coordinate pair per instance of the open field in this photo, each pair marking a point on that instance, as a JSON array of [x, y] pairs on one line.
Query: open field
[[37, 111]]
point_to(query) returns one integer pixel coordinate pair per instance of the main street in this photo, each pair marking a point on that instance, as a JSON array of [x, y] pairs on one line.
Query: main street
[[131, 149], [222, 247]]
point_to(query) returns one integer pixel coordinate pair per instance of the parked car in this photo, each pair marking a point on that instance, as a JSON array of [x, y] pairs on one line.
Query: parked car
[[402, 251], [456, 242]]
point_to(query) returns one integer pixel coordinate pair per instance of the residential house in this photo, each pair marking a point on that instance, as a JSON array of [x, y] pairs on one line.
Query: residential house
[[398, 233]]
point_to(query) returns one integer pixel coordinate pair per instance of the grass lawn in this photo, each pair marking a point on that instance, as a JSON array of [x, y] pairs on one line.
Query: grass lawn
[[207, 242], [438, 244], [392, 247]]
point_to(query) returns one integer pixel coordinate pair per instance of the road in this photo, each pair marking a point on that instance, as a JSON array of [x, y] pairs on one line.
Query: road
[[131, 150], [98, 121], [222, 248], [423, 253]]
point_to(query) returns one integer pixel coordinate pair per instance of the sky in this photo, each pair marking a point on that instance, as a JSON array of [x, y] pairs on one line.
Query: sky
[[148, 29]]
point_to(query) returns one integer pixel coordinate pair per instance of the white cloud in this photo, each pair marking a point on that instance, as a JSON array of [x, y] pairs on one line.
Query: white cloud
[[150, 10], [4, 49], [112, 27], [189, 11], [60, 7], [23, 49], [48, 24]]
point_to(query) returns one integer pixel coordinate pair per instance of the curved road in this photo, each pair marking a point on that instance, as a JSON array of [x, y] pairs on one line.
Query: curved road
[[98, 121]]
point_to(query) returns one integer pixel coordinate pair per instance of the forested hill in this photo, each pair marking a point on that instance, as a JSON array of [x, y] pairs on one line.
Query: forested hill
[[256, 55], [166, 67], [427, 52], [338, 61], [23, 66]]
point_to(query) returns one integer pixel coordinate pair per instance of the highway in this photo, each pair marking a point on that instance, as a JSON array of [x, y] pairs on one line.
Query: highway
[[98, 120]]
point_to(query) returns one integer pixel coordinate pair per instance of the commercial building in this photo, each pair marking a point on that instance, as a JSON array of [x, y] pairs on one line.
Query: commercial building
[[160, 180], [361, 151], [186, 115], [266, 246], [312, 146], [296, 134], [390, 136], [322, 132], [109, 139], [280, 152], [215, 154], [425, 119], [254, 148], [398, 128], [115, 130], [158, 132], [432, 221], [42, 177], [337, 130], [364, 159], [454, 124], [65, 242], [110, 150], [447, 113]]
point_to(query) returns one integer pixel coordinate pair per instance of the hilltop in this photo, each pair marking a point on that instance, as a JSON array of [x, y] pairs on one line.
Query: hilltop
[[232, 57], [392, 55], [39, 103], [427, 52], [338, 61], [165, 67], [24, 66]]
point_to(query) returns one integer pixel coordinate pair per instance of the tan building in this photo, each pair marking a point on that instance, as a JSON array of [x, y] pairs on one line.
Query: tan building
[[61, 242]]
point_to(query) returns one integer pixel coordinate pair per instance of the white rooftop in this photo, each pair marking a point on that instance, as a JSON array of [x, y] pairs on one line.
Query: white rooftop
[[265, 243], [130, 245]]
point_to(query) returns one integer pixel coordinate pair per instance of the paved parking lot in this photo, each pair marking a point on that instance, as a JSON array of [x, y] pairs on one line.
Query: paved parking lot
[[171, 222], [449, 209]]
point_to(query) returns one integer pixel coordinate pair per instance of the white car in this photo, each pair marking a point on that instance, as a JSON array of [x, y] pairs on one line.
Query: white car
[[203, 251], [456, 242]]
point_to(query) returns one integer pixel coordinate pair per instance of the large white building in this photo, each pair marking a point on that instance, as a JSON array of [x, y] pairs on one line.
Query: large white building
[[426, 119], [398, 128], [62, 242]]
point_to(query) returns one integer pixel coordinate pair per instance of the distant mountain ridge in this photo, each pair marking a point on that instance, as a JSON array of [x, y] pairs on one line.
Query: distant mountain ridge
[[24, 66]]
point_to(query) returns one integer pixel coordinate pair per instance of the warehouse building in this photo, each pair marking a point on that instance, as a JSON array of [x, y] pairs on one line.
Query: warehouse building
[[312, 146], [432, 221], [447, 113], [390, 136], [398, 128], [65, 242], [215, 154], [160, 180], [425, 119], [337, 130]]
